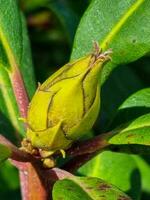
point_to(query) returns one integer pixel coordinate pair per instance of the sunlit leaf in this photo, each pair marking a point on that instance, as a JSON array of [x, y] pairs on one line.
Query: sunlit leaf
[[86, 188]]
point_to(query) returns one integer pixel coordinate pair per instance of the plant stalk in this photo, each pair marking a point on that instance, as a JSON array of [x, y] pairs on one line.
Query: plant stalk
[[32, 185], [83, 152]]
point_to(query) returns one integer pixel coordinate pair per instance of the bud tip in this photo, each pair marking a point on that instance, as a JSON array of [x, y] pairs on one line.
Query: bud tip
[[97, 53]]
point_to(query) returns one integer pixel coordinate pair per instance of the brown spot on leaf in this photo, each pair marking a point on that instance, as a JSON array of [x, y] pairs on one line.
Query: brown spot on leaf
[[122, 197], [130, 135], [104, 186], [89, 188]]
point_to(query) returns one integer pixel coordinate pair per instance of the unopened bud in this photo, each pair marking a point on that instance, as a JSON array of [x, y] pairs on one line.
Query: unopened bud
[[66, 105]]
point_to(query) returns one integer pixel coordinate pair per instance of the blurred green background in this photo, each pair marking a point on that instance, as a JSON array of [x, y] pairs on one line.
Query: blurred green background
[[51, 26]]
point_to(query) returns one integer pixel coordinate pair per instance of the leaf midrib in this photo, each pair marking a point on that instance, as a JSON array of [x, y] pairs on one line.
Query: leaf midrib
[[81, 185], [106, 41]]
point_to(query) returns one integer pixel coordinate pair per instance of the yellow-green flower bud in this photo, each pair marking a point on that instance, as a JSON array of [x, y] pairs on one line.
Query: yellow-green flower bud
[[66, 105]]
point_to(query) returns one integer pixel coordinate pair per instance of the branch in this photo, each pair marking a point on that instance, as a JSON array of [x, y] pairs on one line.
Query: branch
[[17, 154], [77, 162], [86, 150], [57, 174], [32, 178], [89, 146], [32, 184], [19, 91]]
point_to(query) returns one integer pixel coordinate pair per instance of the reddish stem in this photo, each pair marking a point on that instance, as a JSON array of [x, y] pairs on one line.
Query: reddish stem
[[44, 177], [86, 150], [77, 162], [32, 186], [20, 92], [57, 174], [36, 181], [89, 146], [16, 154]]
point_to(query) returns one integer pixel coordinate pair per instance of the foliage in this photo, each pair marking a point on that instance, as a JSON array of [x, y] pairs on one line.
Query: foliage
[[58, 29]]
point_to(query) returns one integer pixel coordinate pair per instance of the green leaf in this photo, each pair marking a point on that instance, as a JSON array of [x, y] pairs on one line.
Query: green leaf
[[8, 107], [136, 132], [134, 106], [4, 153], [26, 65], [86, 188], [15, 42], [118, 169], [115, 25], [9, 181], [115, 91], [144, 167], [14, 53], [133, 130]]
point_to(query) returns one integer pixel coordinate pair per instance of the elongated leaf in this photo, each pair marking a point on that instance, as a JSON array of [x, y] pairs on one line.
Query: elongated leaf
[[14, 53], [134, 106], [115, 91], [4, 153], [137, 132], [9, 181], [144, 167], [15, 41], [8, 107], [86, 189], [116, 168], [121, 26]]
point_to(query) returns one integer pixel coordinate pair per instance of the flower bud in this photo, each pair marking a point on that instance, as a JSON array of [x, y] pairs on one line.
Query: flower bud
[[66, 105]]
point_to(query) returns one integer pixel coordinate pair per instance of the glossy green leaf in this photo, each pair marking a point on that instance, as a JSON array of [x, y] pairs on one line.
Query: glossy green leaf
[[14, 39], [134, 106], [14, 52], [116, 168], [116, 90], [86, 188], [144, 167], [8, 107], [130, 113], [140, 98], [4, 153], [9, 181], [120, 25], [135, 132]]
